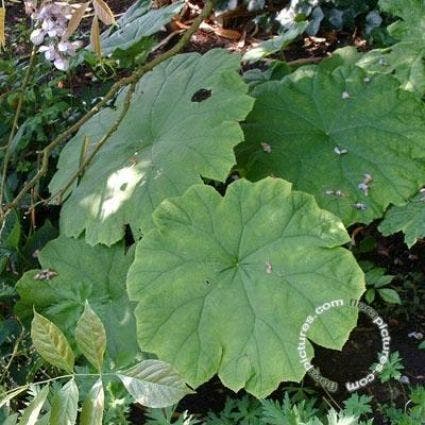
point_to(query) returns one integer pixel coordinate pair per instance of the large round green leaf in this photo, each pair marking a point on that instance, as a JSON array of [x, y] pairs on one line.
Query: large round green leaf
[[356, 142], [225, 284], [73, 272], [182, 124]]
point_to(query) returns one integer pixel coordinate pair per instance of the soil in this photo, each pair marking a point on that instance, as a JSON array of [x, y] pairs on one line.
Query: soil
[[350, 364]]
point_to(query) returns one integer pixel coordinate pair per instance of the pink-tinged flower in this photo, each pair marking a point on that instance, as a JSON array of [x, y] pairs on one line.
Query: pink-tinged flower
[[43, 13], [68, 48], [51, 21], [49, 52], [64, 46], [30, 7], [47, 24], [37, 36], [61, 63]]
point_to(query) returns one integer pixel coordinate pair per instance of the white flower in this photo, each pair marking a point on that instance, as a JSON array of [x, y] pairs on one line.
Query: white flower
[[30, 7], [66, 47], [47, 24], [51, 21], [61, 63], [49, 52], [404, 380], [43, 13], [69, 48], [37, 36]]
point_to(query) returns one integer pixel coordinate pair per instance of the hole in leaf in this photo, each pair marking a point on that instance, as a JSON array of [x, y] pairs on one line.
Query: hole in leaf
[[201, 95], [123, 187]]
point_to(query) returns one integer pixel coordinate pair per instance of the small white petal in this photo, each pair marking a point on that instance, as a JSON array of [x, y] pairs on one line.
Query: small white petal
[[416, 335], [47, 25], [64, 46], [340, 151], [37, 37], [266, 147], [404, 380], [360, 206], [368, 177], [49, 52], [62, 64], [49, 55]]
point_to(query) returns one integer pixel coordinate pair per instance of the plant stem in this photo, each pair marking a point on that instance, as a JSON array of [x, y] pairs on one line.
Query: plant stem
[[5, 370], [15, 126], [86, 161], [56, 378], [331, 398], [133, 78], [305, 61]]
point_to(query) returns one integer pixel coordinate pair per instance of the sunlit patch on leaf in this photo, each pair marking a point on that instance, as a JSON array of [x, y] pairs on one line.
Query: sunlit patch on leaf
[[165, 144]]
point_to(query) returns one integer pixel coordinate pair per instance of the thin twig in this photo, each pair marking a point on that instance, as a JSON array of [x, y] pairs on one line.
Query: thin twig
[[15, 124], [85, 163], [5, 370], [57, 197], [133, 78], [56, 378], [166, 40], [305, 61], [330, 396]]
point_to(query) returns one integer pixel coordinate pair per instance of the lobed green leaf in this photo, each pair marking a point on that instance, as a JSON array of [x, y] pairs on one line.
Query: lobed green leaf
[[137, 23], [225, 284], [183, 123], [353, 141], [408, 218], [404, 59]]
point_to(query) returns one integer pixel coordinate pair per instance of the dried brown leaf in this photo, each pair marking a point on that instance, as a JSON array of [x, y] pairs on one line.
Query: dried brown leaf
[[104, 12], [75, 20], [95, 36], [2, 25]]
